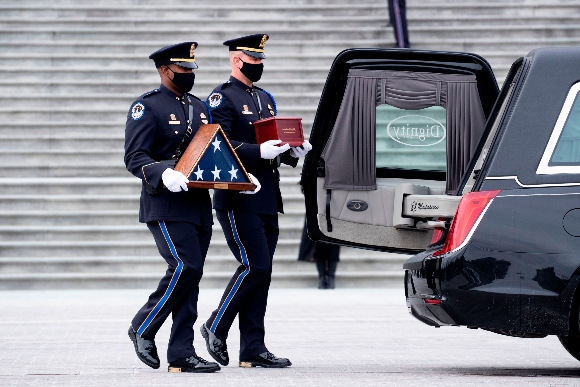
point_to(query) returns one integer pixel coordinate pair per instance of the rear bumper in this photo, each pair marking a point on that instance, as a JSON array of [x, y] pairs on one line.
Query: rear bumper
[[425, 300]]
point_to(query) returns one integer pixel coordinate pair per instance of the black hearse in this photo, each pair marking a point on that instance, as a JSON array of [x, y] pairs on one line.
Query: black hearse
[[420, 152]]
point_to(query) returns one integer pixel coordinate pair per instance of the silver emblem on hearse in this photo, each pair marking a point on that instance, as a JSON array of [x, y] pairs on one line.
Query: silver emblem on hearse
[[357, 205]]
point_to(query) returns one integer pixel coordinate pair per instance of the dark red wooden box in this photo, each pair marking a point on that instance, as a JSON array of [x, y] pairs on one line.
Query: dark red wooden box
[[287, 129]]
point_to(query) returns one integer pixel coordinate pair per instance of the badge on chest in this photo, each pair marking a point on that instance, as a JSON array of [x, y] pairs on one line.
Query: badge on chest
[[173, 120], [245, 110]]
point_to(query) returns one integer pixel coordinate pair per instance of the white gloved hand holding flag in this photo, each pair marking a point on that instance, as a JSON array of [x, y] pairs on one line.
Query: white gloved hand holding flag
[[174, 181], [255, 181]]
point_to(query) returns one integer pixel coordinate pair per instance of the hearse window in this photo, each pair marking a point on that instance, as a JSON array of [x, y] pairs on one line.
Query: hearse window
[[562, 154], [350, 155], [411, 139]]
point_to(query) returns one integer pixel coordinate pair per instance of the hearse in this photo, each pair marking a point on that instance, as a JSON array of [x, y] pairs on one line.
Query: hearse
[[421, 152]]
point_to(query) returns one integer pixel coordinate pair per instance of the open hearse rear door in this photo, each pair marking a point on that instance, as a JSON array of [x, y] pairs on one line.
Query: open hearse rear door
[[394, 132]]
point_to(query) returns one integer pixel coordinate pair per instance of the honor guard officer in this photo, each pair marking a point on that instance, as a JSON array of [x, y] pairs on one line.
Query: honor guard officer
[[160, 125], [250, 220]]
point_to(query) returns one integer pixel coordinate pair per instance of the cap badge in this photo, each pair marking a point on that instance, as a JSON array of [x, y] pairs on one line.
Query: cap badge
[[202, 115], [263, 41], [246, 111], [137, 111], [192, 51]]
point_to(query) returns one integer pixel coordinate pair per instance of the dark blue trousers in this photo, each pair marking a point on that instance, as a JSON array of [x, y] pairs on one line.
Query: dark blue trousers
[[252, 238], [183, 246]]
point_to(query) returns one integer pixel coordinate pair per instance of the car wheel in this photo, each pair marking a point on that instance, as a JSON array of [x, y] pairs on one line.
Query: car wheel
[[572, 341], [572, 344]]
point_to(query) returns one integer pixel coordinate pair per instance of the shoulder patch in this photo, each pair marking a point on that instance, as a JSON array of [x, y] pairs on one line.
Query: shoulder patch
[[137, 111], [149, 93], [215, 99]]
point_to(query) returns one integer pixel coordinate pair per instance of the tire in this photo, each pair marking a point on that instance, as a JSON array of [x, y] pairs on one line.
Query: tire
[[572, 344], [572, 341]]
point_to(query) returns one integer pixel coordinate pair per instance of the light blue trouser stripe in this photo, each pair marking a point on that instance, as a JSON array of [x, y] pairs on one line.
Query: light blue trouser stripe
[[171, 285], [234, 288]]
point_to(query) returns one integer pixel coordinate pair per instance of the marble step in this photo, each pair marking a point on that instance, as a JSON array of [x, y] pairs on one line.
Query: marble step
[[76, 128], [220, 9], [294, 217], [147, 73], [369, 269], [280, 20], [107, 100], [95, 186], [71, 248], [213, 46], [349, 262], [206, 58], [66, 113], [137, 87], [371, 279], [109, 232], [111, 167], [204, 33], [105, 202]]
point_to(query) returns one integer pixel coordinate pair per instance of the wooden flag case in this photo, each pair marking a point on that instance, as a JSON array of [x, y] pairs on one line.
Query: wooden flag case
[[210, 162]]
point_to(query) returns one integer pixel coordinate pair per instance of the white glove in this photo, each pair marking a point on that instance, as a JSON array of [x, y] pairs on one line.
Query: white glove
[[269, 150], [255, 181], [301, 151], [174, 181]]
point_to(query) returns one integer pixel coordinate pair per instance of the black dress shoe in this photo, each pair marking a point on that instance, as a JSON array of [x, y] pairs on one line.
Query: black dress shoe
[[330, 282], [192, 364], [215, 347], [267, 360], [145, 349]]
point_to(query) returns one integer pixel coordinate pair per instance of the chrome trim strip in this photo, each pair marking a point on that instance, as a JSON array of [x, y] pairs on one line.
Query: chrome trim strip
[[541, 194], [543, 168], [531, 185]]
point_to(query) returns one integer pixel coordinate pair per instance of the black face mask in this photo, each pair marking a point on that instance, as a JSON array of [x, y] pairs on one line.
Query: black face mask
[[252, 71], [183, 81]]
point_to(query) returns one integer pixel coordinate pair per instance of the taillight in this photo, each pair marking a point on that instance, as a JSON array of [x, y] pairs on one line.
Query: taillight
[[471, 207], [437, 233]]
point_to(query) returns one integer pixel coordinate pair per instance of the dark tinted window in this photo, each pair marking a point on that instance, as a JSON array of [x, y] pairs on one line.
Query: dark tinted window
[[567, 151]]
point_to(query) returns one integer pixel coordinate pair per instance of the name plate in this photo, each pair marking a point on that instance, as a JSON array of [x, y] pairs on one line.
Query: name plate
[[287, 129], [426, 206]]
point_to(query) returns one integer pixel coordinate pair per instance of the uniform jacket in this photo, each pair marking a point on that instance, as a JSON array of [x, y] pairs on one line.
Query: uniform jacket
[[235, 106], [156, 124]]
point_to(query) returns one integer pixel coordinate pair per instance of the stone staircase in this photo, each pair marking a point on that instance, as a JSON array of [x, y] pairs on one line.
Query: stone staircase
[[70, 70]]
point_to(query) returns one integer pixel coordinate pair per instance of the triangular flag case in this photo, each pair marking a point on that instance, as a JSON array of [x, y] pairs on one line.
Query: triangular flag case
[[210, 162]]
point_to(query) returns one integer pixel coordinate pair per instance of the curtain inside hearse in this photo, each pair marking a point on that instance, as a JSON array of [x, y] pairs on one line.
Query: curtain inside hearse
[[355, 128]]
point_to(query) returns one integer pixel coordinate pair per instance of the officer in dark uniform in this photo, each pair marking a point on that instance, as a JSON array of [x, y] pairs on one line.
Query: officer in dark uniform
[[249, 222], [160, 125]]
